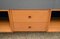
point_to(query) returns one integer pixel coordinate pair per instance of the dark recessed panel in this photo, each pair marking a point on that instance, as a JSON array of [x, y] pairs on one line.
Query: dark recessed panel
[[55, 15], [4, 16]]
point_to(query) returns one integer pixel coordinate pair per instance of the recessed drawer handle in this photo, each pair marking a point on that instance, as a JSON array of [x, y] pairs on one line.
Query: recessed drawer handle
[[29, 26], [29, 17]]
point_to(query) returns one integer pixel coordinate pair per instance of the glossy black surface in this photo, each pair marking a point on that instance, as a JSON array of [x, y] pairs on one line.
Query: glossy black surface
[[4, 16], [55, 15]]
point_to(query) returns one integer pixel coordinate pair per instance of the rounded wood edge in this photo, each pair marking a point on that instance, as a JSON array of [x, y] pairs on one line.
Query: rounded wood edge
[[55, 9], [10, 19], [3, 10]]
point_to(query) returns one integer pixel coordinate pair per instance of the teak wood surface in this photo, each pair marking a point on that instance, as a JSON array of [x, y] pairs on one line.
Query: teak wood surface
[[30, 20]]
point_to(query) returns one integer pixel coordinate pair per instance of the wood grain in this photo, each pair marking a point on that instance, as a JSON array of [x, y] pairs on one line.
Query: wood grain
[[38, 20], [5, 27]]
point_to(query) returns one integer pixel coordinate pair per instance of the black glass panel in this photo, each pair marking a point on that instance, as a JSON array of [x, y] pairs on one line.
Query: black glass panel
[[4, 16], [55, 15]]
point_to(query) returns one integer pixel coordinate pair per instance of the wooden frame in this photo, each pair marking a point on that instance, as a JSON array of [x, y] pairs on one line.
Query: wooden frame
[[5, 26], [54, 26]]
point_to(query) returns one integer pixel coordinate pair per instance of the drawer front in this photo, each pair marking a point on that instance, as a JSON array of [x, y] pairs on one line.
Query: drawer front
[[31, 26], [30, 15]]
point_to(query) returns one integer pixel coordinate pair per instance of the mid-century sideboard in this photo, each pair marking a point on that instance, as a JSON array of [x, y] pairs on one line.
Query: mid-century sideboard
[[30, 20]]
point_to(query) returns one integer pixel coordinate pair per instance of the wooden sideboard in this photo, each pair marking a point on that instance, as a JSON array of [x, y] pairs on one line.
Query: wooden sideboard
[[29, 20]]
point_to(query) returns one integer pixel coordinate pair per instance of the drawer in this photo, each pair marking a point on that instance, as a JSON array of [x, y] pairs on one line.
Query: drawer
[[30, 26], [30, 15]]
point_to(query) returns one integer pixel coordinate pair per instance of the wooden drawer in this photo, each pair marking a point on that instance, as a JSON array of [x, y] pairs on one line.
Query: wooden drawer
[[30, 15], [30, 26], [29, 20]]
